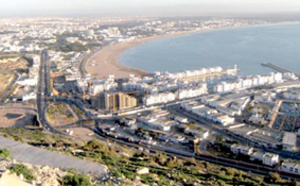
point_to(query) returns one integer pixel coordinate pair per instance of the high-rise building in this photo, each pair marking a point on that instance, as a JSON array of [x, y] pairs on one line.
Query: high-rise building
[[117, 101]]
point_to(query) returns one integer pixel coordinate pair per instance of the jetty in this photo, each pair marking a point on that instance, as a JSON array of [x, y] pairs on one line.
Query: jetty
[[278, 68]]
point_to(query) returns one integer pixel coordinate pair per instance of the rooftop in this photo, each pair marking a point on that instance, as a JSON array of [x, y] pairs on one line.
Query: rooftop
[[289, 139]]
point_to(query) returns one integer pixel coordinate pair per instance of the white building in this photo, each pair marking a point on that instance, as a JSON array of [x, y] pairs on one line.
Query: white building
[[181, 119], [130, 86], [72, 39], [108, 84], [201, 134], [195, 73], [192, 92], [289, 141], [257, 156], [293, 93], [192, 105], [225, 120], [270, 159], [241, 149], [27, 97], [158, 123], [291, 167], [248, 82], [290, 76], [28, 82], [159, 98]]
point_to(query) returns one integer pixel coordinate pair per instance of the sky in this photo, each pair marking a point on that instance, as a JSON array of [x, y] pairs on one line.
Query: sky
[[144, 7]]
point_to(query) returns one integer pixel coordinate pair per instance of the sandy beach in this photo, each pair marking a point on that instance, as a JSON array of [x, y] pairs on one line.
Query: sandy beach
[[105, 62]]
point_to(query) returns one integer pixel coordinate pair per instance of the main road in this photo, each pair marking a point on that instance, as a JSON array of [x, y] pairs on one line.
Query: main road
[[44, 93]]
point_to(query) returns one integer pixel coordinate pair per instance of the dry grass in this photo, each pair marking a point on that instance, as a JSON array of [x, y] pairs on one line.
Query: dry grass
[[60, 115], [5, 80], [13, 64]]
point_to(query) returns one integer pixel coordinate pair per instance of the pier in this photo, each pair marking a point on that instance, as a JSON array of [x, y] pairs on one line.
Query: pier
[[278, 68]]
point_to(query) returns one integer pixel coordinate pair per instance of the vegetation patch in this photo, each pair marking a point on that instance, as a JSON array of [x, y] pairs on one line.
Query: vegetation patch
[[20, 169], [4, 153], [60, 114], [76, 180], [124, 162]]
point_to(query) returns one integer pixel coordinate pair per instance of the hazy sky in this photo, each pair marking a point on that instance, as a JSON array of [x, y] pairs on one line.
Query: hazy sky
[[144, 7]]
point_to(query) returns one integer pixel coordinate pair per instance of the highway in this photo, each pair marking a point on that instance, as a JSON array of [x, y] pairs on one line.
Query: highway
[[44, 93]]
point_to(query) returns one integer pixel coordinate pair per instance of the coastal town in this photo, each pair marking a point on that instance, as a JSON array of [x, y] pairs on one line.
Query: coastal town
[[62, 76]]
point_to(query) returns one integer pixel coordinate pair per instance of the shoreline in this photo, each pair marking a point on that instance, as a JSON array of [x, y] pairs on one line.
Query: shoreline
[[106, 62]]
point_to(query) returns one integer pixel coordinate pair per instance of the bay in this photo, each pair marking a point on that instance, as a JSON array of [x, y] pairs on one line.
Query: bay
[[247, 47]]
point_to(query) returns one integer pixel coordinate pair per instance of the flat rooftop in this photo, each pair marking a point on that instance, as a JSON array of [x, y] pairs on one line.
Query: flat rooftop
[[289, 139]]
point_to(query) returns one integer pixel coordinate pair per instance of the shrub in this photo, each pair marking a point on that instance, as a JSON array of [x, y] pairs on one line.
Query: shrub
[[22, 169], [4, 153], [190, 162], [207, 165], [223, 177], [230, 172], [128, 174], [161, 159], [272, 178], [147, 179], [76, 180], [275, 177]]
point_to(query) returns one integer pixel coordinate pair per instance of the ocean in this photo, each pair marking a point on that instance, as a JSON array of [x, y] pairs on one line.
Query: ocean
[[247, 47]]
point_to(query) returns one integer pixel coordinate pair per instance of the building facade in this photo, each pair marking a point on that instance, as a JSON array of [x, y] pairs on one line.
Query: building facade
[[291, 167], [117, 101], [270, 159]]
